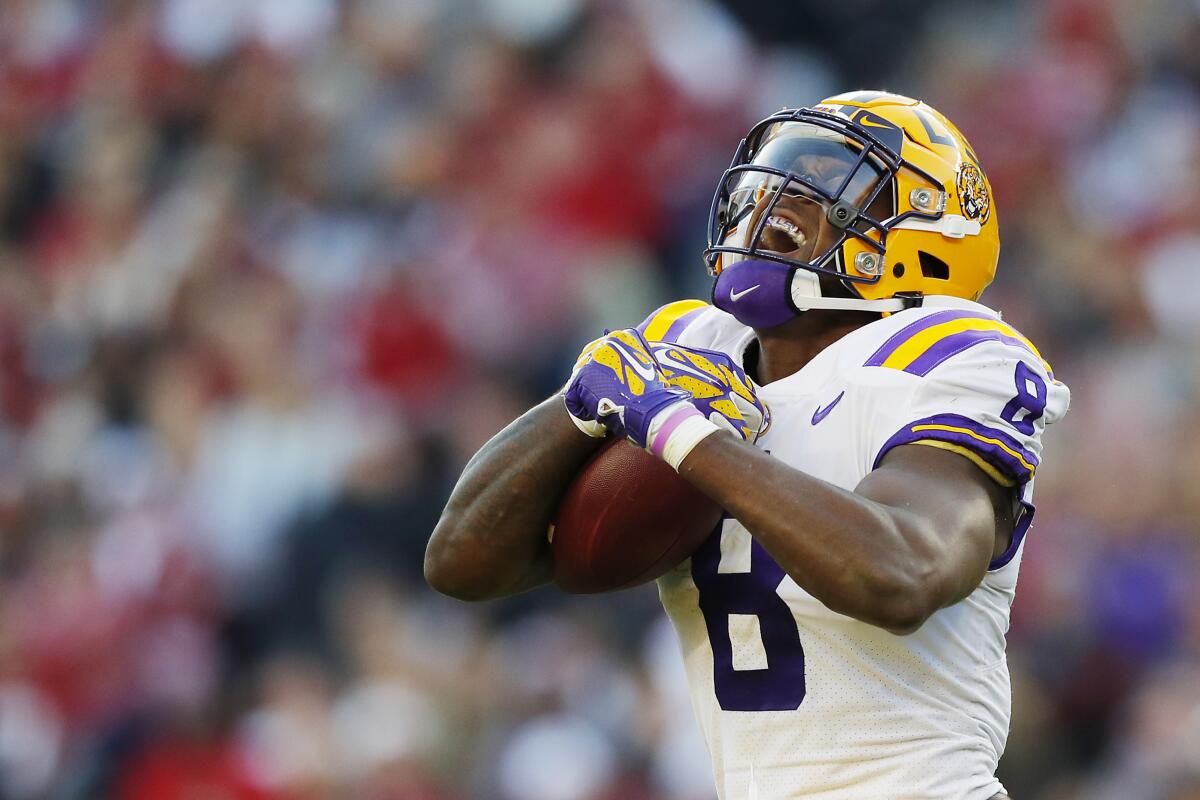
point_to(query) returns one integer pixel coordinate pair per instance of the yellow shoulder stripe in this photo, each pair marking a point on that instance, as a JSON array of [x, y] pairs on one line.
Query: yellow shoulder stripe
[[932, 345], [660, 321]]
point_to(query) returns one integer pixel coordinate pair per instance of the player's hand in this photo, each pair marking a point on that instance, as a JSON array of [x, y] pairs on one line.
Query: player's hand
[[618, 386], [589, 424], [717, 386]]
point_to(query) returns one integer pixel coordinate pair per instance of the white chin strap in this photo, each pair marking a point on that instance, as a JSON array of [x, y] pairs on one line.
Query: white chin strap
[[806, 295]]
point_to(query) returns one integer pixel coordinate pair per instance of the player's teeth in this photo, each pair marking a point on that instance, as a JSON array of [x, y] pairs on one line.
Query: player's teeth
[[781, 224]]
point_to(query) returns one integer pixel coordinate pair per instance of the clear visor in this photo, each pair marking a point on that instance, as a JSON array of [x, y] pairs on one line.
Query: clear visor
[[815, 162]]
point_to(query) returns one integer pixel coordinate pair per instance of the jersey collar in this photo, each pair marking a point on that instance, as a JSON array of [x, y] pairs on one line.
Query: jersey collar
[[946, 301]]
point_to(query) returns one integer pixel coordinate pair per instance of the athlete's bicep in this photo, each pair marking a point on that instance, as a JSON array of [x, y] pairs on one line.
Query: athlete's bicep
[[969, 515]]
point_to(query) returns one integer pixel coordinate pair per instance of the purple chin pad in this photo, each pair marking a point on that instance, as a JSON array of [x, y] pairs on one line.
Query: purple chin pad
[[757, 293]]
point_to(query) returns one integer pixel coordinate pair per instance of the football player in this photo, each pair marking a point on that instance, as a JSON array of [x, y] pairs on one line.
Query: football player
[[843, 630]]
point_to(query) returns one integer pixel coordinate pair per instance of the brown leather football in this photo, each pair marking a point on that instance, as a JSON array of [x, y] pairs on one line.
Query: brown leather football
[[626, 519]]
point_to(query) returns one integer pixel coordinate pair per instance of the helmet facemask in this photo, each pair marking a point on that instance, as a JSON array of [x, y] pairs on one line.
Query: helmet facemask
[[802, 185]]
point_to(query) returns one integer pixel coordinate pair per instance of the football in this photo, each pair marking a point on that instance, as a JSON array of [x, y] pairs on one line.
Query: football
[[626, 519]]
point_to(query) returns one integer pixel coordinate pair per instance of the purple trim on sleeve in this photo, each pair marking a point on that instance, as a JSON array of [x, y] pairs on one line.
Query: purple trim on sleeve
[[912, 329], [953, 345], [677, 327], [999, 457], [1018, 536]]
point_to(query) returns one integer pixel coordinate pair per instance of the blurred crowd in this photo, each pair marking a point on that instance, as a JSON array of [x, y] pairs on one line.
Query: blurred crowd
[[272, 270]]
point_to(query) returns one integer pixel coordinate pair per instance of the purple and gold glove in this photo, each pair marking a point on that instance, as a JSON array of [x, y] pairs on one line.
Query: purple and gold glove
[[618, 389], [719, 388]]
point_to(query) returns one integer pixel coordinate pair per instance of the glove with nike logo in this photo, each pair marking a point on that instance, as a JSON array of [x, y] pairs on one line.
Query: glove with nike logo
[[617, 388], [719, 388]]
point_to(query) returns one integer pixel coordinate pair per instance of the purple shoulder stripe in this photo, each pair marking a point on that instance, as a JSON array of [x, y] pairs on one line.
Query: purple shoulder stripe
[[651, 326], [913, 328], [678, 326], [954, 344]]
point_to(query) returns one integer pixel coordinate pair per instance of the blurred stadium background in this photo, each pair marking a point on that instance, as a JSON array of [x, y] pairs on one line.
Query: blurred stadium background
[[271, 270]]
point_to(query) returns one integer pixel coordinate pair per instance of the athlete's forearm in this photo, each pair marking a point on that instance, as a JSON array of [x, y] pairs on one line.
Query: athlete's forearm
[[491, 538], [860, 557]]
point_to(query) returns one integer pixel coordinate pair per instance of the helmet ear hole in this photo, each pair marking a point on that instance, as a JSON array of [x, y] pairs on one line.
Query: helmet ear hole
[[933, 267]]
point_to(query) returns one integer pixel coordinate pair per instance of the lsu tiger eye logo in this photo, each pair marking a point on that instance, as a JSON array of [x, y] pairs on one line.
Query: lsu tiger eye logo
[[973, 191]]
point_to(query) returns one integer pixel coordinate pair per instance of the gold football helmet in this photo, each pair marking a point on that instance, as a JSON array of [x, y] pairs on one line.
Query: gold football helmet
[[909, 207]]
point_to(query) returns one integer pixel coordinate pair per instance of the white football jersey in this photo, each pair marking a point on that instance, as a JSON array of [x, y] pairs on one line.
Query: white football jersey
[[796, 700]]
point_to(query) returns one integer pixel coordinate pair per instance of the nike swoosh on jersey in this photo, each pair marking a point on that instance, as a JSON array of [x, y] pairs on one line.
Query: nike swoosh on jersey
[[822, 413], [735, 296]]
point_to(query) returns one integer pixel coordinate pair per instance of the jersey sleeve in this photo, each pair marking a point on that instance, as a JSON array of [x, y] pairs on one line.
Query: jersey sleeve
[[669, 322], [983, 392]]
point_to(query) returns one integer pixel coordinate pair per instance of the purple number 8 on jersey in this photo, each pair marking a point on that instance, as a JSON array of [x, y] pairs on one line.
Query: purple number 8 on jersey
[[1031, 398], [780, 685]]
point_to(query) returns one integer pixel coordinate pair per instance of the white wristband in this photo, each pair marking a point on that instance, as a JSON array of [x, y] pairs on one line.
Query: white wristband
[[676, 430]]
